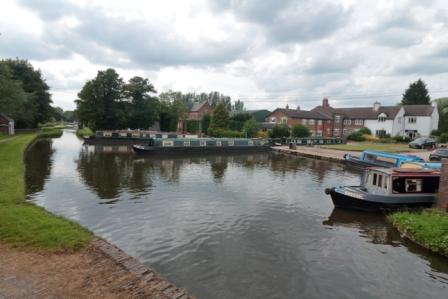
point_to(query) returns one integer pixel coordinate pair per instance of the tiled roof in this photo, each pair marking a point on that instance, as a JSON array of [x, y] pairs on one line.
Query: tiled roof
[[304, 114], [5, 117], [197, 106], [418, 110], [368, 112]]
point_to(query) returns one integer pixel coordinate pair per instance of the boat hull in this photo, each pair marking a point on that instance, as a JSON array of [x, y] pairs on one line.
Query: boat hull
[[149, 150], [341, 200]]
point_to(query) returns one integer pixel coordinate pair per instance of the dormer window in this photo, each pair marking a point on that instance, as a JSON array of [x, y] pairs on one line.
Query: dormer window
[[382, 117]]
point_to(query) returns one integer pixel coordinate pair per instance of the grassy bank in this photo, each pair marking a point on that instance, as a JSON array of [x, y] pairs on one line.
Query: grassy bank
[[25, 224], [362, 146], [53, 132], [429, 228], [84, 132]]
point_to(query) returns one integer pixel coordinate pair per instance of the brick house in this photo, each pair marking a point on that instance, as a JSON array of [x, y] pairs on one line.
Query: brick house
[[199, 109], [6, 125], [397, 120], [316, 122]]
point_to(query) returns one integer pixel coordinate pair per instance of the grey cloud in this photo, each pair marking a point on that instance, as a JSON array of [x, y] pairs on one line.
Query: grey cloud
[[49, 9], [425, 65]]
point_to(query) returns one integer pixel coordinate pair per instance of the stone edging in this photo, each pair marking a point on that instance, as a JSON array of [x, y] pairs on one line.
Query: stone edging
[[306, 155], [144, 273]]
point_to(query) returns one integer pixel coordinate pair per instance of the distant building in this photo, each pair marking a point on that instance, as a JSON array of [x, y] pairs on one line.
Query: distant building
[[317, 123], [199, 109], [411, 120], [6, 125]]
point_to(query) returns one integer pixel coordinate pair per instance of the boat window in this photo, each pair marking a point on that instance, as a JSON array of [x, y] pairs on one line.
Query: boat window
[[380, 180], [167, 143], [250, 142], [413, 185], [203, 143], [374, 179], [187, 143], [218, 143], [230, 143]]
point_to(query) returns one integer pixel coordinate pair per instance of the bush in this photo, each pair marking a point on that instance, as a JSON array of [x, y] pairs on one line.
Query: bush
[[218, 132], [279, 131], [365, 131], [250, 127], [401, 139], [84, 132], [370, 138], [435, 133], [262, 134], [192, 126], [205, 122], [443, 138], [300, 131], [356, 136]]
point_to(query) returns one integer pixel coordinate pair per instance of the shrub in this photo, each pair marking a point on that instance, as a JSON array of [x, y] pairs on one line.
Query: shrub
[[218, 132], [443, 138], [205, 122], [250, 127], [356, 136], [279, 131], [192, 126], [365, 131], [435, 133], [401, 139], [300, 131], [370, 138], [262, 134], [84, 132]]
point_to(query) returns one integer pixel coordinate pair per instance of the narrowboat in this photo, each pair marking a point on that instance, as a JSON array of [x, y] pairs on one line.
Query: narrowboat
[[129, 137], [387, 189], [201, 145], [379, 159]]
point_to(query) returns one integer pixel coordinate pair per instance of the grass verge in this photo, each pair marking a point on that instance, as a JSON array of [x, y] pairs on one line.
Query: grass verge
[[84, 132], [428, 228], [23, 224], [50, 132], [362, 146]]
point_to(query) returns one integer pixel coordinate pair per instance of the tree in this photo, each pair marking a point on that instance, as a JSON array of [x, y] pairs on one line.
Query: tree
[[237, 120], [69, 116], [442, 106], [100, 104], [205, 122], [144, 108], [168, 117], [250, 127], [279, 131], [416, 94], [220, 117], [238, 106], [300, 131]]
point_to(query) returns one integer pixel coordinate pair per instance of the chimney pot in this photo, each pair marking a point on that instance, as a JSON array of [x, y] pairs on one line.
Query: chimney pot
[[376, 106], [325, 103], [298, 107]]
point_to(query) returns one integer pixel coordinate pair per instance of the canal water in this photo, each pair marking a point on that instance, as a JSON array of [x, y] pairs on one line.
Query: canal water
[[233, 226]]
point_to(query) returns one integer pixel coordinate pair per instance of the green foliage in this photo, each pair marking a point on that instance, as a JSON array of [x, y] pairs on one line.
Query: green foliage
[[442, 106], [279, 131], [192, 126], [356, 136], [416, 94], [168, 117], [86, 131], [50, 133], [205, 122], [250, 127], [24, 224], [443, 138], [401, 139], [68, 116], [220, 132], [429, 228], [365, 131], [237, 120], [300, 131], [238, 106], [260, 115], [220, 117]]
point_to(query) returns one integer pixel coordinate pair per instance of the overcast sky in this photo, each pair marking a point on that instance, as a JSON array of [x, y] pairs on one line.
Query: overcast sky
[[267, 53]]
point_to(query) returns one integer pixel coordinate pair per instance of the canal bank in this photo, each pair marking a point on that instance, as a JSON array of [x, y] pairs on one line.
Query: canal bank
[[44, 255]]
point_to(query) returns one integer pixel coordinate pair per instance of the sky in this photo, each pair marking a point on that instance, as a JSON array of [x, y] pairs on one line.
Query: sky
[[266, 53]]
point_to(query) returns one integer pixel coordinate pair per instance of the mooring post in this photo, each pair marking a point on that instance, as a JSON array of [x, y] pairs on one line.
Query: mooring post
[[442, 197]]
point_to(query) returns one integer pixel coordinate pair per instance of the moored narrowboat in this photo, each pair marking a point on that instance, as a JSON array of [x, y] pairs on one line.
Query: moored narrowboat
[[201, 145], [371, 158], [386, 189]]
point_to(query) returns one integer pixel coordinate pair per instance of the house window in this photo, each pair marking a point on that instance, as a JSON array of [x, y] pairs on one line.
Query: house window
[[337, 118], [382, 117], [273, 119], [380, 133], [319, 122], [412, 120], [358, 122], [344, 131], [347, 121], [304, 121], [311, 121], [336, 131], [284, 120]]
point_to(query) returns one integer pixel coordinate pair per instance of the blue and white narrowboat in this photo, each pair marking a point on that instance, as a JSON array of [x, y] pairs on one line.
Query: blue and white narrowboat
[[371, 158]]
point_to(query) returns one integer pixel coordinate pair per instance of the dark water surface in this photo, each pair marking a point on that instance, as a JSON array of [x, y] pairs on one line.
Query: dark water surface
[[233, 226]]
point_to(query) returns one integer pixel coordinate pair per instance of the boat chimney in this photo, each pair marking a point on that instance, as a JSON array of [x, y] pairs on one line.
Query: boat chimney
[[376, 106], [298, 107], [287, 106], [325, 103]]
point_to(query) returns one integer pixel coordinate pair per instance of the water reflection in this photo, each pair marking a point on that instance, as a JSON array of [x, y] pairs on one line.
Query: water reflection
[[38, 165], [234, 226]]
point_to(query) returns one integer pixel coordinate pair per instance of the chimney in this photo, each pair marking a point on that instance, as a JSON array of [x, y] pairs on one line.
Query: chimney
[[298, 107], [325, 103], [287, 106], [376, 106]]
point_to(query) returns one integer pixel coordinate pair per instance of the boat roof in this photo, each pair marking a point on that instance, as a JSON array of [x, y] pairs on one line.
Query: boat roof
[[391, 155], [421, 165], [406, 171]]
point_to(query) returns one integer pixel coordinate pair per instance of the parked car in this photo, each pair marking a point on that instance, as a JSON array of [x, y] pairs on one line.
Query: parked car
[[438, 154], [423, 142]]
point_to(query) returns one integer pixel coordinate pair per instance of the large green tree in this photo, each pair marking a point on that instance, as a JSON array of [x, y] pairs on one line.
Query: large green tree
[[100, 102], [300, 131], [144, 108], [220, 117], [250, 127], [416, 94]]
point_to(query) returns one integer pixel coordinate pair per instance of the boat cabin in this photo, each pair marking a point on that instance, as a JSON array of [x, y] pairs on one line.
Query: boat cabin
[[385, 181], [387, 159]]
